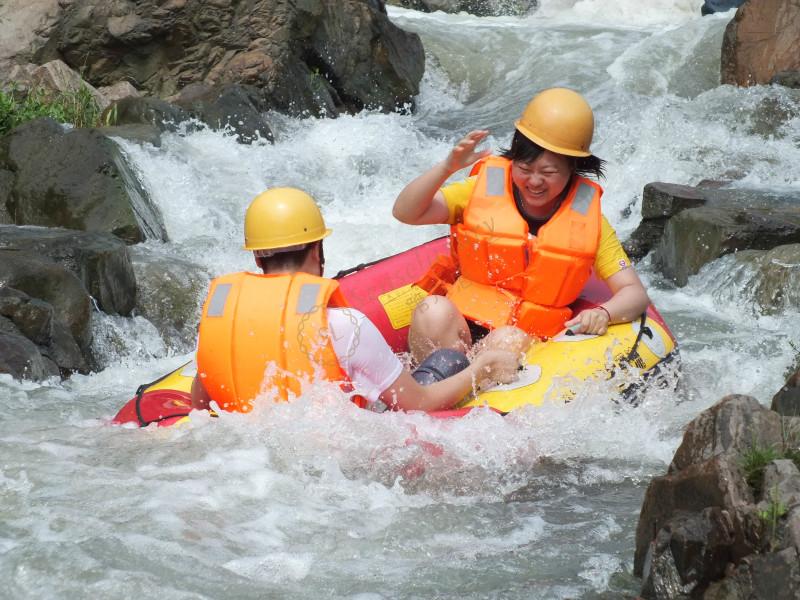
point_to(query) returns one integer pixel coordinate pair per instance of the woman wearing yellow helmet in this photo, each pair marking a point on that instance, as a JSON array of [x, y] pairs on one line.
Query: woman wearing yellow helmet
[[526, 225]]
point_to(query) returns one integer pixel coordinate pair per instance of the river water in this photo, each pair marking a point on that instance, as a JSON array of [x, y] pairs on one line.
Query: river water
[[318, 499]]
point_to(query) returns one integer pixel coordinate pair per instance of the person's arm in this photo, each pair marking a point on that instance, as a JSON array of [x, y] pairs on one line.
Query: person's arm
[[629, 300], [421, 202], [490, 366], [200, 398]]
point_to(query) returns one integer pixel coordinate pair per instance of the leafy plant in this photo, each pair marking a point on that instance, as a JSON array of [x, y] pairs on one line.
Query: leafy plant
[[772, 514], [76, 107], [753, 462]]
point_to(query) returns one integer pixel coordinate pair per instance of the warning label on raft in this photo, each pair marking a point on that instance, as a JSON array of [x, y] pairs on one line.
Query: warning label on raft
[[399, 304]]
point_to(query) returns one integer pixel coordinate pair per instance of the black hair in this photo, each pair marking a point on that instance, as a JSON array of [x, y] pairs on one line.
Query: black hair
[[288, 261], [525, 151]]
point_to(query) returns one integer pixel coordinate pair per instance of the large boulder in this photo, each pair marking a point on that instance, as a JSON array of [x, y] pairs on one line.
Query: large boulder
[[703, 531], [305, 56], [19, 357], [763, 39], [37, 323], [43, 279], [730, 220], [230, 107], [99, 260], [87, 185], [771, 276], [26, 28], [660, 201], [170, 294]]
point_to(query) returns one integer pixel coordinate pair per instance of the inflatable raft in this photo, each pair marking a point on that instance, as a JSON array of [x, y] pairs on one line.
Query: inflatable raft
[[553, 370]]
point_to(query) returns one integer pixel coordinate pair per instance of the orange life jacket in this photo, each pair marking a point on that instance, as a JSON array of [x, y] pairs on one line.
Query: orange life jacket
[[508, 277], [263, 332]]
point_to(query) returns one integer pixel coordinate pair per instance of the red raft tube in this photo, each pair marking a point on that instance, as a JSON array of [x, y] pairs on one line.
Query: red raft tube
[[553, 370]]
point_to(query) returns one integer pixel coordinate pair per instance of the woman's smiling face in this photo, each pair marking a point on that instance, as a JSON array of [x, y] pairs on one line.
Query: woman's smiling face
[[540, 182]]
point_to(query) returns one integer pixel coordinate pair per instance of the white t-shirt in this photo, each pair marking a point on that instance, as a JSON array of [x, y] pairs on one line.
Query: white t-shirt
[[362, 352]]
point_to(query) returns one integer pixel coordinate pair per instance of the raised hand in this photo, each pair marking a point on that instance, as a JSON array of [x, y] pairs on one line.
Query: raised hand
[[464, 154]]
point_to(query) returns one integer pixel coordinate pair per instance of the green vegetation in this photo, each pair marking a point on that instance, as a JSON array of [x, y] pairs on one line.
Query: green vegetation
[[78, 108], [753, 463], [772, 514]]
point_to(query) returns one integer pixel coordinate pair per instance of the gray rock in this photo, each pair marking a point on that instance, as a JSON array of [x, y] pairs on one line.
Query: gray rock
[[481, 8], [137, 133], [231, 106], [689, 552], [43, 279], [100, 260], [787, 401], [790, 79], [170, 294], [773, 576], [19, 357], [646, 235], [697, 236], [305, 57], [144, 111], [782, 483], [716, 482], [35, 319], [668, 199], [88, 184], [713, 6], [772, 277], [732, 425]]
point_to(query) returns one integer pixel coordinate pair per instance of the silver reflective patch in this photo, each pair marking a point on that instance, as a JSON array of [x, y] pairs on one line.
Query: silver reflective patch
[[216, 306], [495, 181], [583, 198], [307, 299]]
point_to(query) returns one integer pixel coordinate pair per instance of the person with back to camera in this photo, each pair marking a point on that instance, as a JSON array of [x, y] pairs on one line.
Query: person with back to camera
[[526, 232], [270, 331]]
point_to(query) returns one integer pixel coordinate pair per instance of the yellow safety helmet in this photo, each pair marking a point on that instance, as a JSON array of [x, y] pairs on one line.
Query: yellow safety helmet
[[559, 120], [282, 217]]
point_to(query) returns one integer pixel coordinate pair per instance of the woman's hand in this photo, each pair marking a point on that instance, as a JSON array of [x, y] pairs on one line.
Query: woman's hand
[[591, 321], [463, 153]]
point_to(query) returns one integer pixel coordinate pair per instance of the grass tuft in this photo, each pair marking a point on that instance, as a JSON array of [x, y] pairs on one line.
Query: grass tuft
[[78, 108]]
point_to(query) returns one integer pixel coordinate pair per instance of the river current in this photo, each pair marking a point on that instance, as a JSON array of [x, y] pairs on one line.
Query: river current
[[317, 499]]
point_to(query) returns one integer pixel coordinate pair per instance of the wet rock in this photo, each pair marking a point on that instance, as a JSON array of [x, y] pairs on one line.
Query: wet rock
[[481, 8], [773, 276], [100, 261], [170, 294], [781, 483], [234, 107], [697, 236], [735, 422], [6, 185], [304, 57], [144, 111], [138, 134], [43, 279], [714, 6], [689, 552], [774, 576], [36, 320], [118, 91], [668, 199], [716, 482], [646, 235], [56, 76], [19, 357], [660, 201], [763, 39], [787, 401], [790, 79], [87, 185]]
